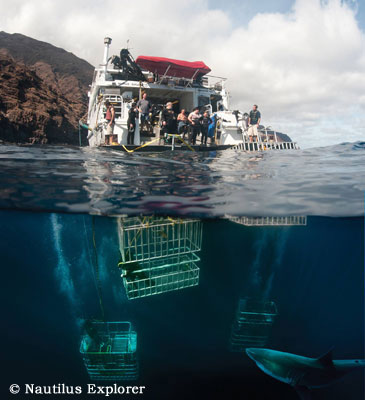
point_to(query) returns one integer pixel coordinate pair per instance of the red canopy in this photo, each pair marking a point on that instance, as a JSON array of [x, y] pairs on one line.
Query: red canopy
[[178, 68]]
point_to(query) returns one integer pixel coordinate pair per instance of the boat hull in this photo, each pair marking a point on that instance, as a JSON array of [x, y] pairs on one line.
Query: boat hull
[[160, 148], [245, 147]]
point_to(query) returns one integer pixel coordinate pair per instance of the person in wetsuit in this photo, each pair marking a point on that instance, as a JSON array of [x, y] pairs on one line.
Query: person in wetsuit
[[212, 127], [205, 121], [194, 119], [168, 120], [131, 123]]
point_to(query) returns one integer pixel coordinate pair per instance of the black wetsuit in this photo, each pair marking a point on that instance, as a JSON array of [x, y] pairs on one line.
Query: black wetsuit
[[205, 122], [169, 116], [132, 116]]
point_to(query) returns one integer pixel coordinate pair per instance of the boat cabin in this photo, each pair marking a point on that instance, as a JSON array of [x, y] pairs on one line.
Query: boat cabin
[[121, 80]]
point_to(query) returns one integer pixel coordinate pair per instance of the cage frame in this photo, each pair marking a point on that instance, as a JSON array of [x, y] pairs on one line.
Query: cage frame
[[291, 220], [249, 318], [111, 365], [162, 276], [138, 241]]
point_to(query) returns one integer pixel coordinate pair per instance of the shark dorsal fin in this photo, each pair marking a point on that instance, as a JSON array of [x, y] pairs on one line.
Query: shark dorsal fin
[[327, 360]]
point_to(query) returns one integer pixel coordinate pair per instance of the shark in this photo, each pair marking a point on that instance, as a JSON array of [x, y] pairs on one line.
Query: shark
[[303, 373]]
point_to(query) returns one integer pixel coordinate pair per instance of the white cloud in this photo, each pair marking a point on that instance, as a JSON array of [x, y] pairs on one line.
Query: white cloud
[[305, 68]]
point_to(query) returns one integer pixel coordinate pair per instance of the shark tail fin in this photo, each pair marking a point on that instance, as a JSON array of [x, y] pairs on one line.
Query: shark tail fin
[[327, 359], [303, 392]]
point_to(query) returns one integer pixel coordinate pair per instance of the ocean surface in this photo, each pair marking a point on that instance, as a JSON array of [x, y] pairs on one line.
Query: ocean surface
[[326, 181], [60, 248]]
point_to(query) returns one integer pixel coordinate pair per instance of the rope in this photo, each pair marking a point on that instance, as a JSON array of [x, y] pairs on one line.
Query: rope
[[80, 120], [154, 140], [97, 276], [100, 98], [140, 147], [91, 263], [79, 135], [83, 125], [216, 130], [186, 144]]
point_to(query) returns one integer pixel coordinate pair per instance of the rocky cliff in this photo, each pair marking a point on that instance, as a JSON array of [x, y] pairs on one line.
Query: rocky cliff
[[43, 91]]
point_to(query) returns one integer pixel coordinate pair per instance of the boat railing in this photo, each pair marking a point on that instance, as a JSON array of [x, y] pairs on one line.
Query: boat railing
[[207, 81], [262, 146], [267, 139], [171, 81], [213, 82]]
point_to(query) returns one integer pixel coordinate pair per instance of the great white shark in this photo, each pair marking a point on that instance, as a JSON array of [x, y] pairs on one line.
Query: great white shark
[[302, 373]]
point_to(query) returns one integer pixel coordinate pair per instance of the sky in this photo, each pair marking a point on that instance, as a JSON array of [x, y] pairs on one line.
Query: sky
[[301, 61]]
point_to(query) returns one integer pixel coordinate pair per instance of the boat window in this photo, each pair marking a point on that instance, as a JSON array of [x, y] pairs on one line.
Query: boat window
[[203, 101], [117, 102], [214, 101]]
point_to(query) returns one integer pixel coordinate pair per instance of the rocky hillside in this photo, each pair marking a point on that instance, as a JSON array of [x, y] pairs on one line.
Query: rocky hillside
[[43, 91]]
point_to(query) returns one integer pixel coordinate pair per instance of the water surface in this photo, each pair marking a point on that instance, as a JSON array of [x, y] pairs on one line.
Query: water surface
[[327, 181]]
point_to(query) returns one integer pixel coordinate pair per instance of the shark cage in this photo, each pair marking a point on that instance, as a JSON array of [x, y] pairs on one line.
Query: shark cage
[[294, 220], [158, 254], [253, 323], [109, 351]]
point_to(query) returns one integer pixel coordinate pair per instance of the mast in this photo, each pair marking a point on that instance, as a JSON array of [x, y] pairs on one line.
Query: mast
[[107, 42]]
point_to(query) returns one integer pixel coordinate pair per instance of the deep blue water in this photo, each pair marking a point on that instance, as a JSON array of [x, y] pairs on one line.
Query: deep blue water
[[314, 273]]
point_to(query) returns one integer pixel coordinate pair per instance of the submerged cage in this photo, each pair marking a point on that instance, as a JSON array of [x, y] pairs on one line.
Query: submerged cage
[[109, 351], [294, 220], [253, 323], [160, 275], [149, 238]]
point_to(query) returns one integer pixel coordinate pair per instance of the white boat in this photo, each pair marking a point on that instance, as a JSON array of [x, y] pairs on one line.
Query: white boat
[[122, 80]]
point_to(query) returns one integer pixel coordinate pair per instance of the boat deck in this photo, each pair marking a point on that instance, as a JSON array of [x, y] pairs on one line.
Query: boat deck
[[245, 147], [166, 147]]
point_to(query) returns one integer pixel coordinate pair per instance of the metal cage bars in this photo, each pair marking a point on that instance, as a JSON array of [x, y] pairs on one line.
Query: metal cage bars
[[293, 220], [148, 238], [112, 353], [160, 275], [252, 325]]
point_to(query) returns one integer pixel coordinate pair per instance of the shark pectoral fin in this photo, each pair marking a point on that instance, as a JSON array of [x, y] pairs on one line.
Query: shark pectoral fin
[[327, 360], [303, 392]]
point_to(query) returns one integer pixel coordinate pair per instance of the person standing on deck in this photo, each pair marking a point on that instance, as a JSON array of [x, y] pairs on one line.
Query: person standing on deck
[[131, 123], [182, 123], [144, 107], [205, 121], [168, 119], [254, 119], [194, 119], [110, 117], [212, 128]]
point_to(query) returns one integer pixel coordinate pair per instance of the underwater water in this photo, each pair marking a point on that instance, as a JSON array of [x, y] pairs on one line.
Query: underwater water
[[314, 273], [64, 220]]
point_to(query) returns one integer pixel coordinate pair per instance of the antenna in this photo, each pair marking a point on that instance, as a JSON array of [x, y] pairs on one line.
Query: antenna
[[128, 48]]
